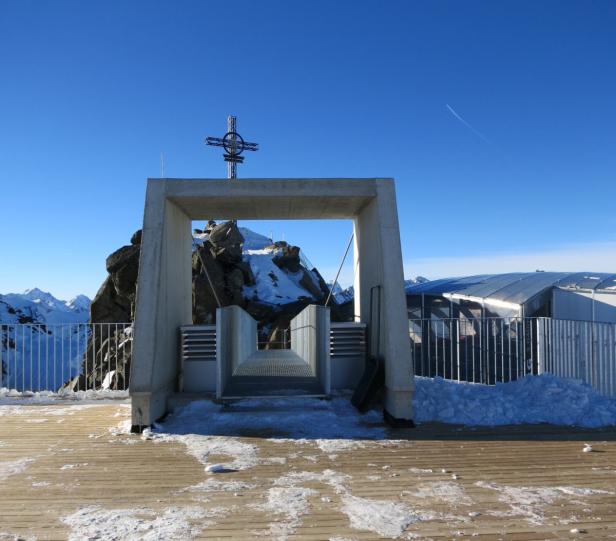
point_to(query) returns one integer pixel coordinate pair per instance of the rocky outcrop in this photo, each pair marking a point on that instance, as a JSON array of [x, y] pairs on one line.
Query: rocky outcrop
[[222, 273], [115, 300], [106, 362]]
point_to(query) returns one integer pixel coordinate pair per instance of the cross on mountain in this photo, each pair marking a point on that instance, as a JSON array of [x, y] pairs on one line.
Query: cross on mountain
[[234, 145]]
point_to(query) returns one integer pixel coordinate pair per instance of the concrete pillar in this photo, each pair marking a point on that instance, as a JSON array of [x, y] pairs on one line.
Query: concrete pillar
[[164, 303], [378, 261]]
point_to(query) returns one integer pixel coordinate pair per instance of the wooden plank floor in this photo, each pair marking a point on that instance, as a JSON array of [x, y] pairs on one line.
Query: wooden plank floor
[[519, 483]]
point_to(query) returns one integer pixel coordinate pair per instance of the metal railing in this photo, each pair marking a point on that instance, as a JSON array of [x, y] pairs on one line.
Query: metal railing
[[492, 350], [75, 356], [581, 350]]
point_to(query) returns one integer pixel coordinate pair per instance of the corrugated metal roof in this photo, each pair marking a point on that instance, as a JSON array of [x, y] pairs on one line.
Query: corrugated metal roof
[[514, 287]]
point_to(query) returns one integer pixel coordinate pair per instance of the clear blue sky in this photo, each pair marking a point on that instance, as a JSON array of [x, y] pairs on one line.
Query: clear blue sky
[[497, 119]]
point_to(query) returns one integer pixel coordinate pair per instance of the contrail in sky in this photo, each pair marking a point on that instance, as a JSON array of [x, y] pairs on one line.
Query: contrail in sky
[[476, 132]]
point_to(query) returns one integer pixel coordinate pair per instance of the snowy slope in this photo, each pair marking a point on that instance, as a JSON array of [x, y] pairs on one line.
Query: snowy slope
[[272, 284], [34, 326]]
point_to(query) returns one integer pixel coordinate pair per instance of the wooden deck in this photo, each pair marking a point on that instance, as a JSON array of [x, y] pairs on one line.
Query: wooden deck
[[507, 483]]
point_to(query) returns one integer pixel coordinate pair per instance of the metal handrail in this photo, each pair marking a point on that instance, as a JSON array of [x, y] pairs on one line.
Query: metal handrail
[[76, 356], [493, 350]]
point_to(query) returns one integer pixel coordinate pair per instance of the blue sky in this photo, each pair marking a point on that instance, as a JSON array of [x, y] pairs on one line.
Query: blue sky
[[497, 120]]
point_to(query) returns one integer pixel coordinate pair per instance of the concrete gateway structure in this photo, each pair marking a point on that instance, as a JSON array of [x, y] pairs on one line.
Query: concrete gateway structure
[[164, 297]]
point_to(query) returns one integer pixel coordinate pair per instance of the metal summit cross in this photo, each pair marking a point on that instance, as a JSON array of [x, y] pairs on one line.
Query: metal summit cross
[[234, 145]]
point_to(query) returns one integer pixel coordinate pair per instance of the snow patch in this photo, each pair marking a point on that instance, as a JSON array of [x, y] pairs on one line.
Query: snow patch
[[337, 481], [13, 467], [388, 519], [122, 428], [448, 492], [336, 446], [292, 502], [243, 455], [530, 502], [211, 430], [94, 522]]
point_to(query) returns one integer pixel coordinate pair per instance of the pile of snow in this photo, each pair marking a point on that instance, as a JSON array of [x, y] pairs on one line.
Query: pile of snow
[[530, 400], [295, 418]]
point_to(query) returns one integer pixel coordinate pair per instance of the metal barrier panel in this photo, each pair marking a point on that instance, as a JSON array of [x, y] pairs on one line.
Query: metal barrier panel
[[481, 350], [582, 350], [492, 350], [76, 356]]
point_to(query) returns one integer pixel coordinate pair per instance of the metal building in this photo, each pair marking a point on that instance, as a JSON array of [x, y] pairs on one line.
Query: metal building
[[582, 296]]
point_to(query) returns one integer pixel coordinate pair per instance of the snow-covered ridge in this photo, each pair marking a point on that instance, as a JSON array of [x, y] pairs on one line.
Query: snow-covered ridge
[[272, 284], [50, 324], [36, 306]]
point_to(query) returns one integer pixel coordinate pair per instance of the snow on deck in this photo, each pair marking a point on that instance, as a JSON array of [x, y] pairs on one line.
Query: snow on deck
[[290, 470], [533, 399]]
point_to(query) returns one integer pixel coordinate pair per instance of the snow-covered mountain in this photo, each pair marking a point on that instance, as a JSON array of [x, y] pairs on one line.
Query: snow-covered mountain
[[33, 331], [273, 283], [36, 306], [346, 295]]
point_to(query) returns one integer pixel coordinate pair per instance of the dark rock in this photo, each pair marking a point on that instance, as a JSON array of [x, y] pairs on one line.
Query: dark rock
[[122, 257], [249, 278], [125, 278], [235, 286], [204, 302], [107, 359], [288, 259], [227, 241], [108, 306], [322, 284], [311, 284], [204, 299], [343, 312], [136, 238]]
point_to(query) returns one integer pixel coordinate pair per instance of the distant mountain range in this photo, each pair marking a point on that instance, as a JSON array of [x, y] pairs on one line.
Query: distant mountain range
[[36, 306], [26, 349], [346, 295]]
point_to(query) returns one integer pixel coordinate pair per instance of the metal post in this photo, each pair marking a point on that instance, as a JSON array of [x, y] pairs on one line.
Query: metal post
[[231, 166], [458, 346], [540, 345]]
